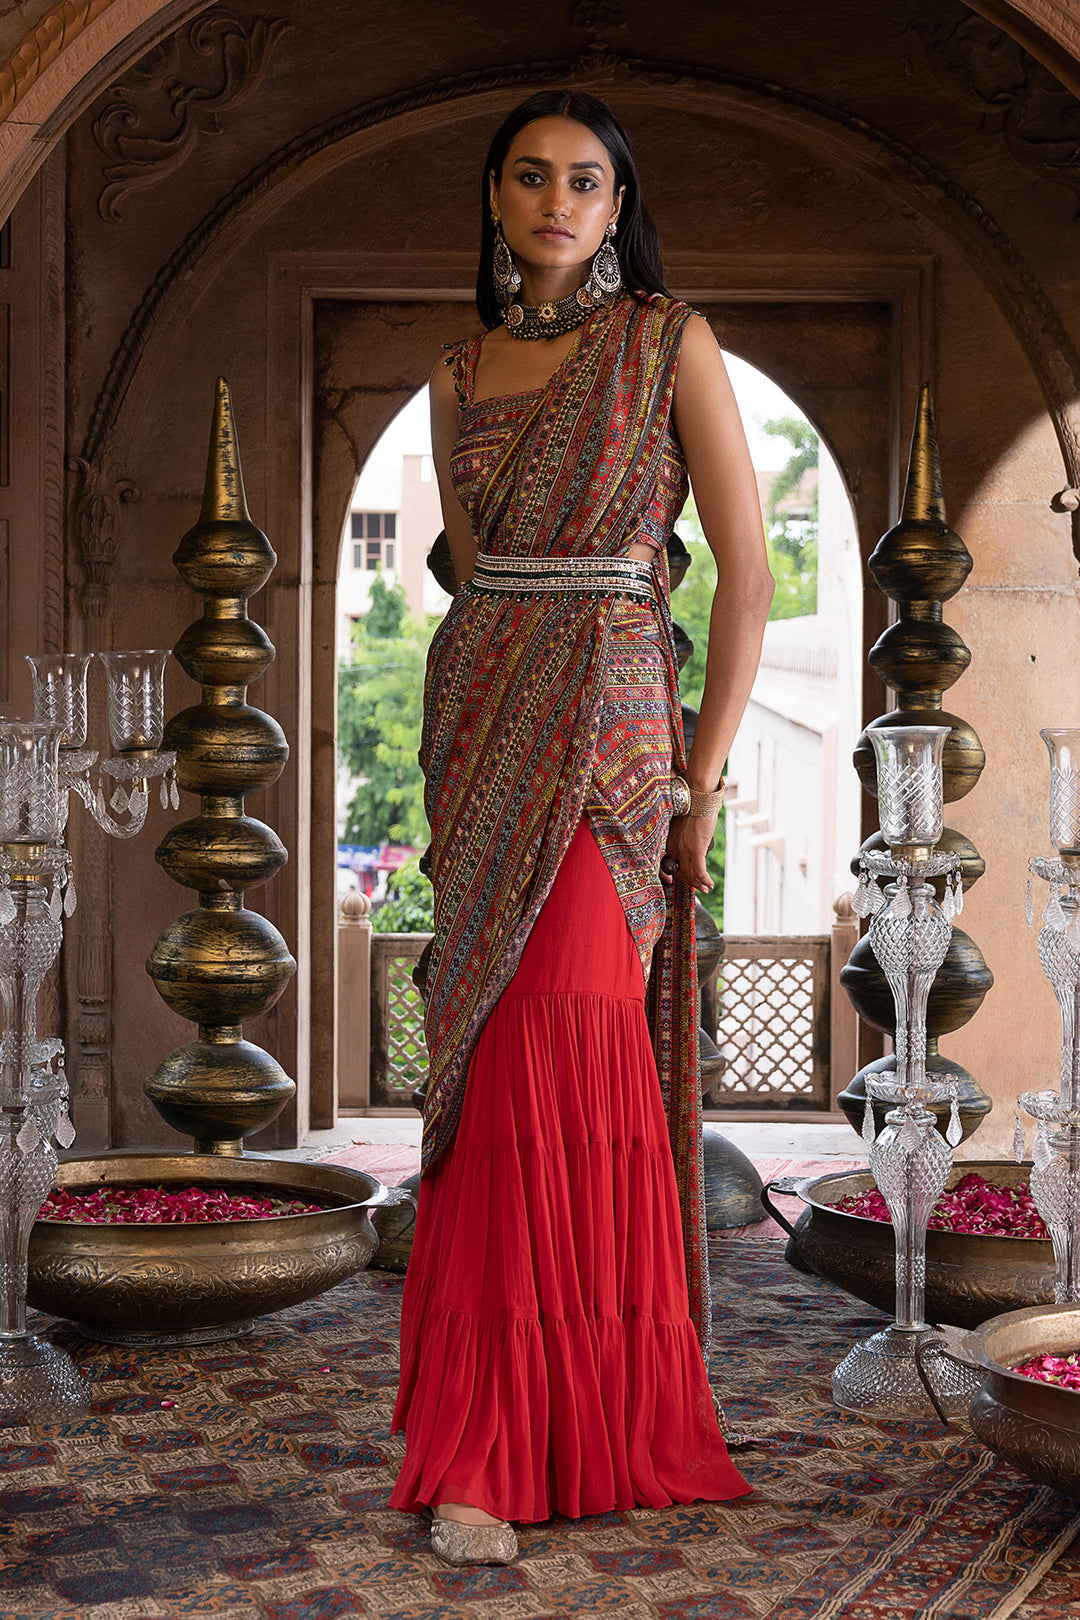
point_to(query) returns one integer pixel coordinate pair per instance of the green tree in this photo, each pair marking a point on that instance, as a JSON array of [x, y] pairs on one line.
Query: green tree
[[387, 609], [380, 712], [792, 537], [691, 606], [409, 907]]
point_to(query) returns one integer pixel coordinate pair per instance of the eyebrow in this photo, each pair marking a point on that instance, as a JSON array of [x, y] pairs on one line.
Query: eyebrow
[[545, 163]]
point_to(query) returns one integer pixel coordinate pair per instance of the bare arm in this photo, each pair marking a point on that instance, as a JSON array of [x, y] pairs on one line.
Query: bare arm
[[706, 419], [444, 433]]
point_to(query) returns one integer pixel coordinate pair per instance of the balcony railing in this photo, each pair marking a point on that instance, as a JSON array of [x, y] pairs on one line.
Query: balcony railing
[[772, 1023], [773, 1006]]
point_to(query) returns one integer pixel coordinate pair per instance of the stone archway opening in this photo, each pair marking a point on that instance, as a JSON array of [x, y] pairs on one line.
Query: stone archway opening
[[793, 754], [388, 604], [811, 666], [793, 818], [867, 254]]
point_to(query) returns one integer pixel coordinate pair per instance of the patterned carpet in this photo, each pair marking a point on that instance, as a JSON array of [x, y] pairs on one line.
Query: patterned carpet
[[251, 1483]]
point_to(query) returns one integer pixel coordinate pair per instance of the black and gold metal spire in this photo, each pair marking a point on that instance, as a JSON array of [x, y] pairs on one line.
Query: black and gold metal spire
[[920, 563], [222, 964]]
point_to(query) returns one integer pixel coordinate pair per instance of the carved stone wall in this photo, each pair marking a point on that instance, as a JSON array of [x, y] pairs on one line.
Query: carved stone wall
[[268, 156], [32, 456]]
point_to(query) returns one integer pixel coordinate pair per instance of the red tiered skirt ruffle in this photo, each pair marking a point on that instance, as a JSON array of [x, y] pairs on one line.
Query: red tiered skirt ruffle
[[548, 1361]]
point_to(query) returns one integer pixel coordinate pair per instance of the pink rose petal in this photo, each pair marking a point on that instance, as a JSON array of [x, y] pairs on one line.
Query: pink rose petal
[[159, 1205], [1048, 1369], [974, 1206]]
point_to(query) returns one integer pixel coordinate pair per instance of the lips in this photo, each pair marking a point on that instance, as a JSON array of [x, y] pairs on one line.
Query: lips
[[557, 235]]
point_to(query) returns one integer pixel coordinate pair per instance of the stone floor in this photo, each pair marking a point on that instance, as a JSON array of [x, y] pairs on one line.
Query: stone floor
[[758, 1139]]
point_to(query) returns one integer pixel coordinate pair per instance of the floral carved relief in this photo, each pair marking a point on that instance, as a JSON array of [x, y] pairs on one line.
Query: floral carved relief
[[1042, 1450], [97, 512], [177, 93], [988, 71]]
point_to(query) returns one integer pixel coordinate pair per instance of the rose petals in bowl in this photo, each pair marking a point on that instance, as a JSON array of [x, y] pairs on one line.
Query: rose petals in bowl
[[1049, 1369], [159, 1206], [974, 1206]]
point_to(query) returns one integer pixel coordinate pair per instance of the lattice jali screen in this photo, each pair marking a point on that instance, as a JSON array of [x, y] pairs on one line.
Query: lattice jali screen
[[773, 1023], [398, 1051]]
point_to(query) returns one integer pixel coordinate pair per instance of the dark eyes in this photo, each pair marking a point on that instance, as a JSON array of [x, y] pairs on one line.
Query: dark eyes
[[581, 182]]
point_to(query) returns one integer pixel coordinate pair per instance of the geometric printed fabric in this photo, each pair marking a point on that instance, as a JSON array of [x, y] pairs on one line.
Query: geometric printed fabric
[[261, 1493]]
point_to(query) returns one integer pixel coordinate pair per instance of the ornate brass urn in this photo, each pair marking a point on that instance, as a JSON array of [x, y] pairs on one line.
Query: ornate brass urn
[[222, 964], [150, 1284]]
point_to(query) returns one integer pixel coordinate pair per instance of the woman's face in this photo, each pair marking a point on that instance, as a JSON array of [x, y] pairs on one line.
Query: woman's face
[[556, 196]]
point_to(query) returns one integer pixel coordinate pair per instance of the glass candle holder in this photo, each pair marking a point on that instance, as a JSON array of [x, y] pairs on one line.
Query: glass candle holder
[[908, 762], [29, 782], [136, 691], [1063, 745], [60, 693]]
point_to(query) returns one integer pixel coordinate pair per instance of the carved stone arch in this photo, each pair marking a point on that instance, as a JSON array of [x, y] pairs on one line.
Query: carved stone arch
[[1049, 29], [69, 53], [71, 49], [917, 182]]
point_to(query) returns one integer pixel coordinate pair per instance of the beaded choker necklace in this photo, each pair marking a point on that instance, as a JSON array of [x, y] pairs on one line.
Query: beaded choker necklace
[[552, 320]]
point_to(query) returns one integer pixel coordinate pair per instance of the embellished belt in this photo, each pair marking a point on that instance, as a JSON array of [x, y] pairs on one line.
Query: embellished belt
[[562, 576]]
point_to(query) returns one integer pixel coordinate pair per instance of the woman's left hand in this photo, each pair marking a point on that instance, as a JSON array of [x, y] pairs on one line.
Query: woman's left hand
[[689, 841]]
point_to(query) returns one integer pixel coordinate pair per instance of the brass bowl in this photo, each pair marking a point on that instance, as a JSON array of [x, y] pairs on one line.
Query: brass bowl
[[968, 1278], [1032, 1425], [193, 1283], [396, 1227]]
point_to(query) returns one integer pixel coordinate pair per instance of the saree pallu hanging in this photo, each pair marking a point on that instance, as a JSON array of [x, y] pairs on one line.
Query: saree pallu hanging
[[552, 693]]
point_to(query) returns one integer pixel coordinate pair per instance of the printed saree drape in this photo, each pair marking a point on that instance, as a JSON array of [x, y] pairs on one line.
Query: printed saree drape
[[538, 710]]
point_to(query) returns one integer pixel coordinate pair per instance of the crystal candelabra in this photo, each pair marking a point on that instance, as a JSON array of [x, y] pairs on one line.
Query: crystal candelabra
[[35, 1376], [1055, 1172], [909, 935], [41, 762], [136, 707]]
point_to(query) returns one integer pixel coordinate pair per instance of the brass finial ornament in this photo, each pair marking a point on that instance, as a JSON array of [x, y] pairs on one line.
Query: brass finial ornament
[[222, 964], [920, 563], [924, 495]]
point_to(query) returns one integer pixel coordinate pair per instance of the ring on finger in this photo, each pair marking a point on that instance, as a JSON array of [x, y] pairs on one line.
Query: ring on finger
[[669, 865]]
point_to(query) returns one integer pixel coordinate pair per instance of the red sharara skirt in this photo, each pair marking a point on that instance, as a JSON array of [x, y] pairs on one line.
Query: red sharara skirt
[[548, 1361]]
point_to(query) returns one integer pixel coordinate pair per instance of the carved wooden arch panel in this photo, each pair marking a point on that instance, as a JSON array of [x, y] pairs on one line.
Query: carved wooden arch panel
[[70, 52]]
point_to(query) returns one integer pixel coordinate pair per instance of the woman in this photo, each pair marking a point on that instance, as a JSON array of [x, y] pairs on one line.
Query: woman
[[549, 1356]]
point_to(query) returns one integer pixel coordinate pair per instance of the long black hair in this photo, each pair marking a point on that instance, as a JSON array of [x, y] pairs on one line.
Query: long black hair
[[637, 241]]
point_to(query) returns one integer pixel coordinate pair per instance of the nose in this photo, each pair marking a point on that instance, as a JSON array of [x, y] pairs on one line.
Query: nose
[[557, 203]]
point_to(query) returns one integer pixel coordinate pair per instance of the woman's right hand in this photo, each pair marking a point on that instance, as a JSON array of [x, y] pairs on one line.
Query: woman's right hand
[[688, 843]]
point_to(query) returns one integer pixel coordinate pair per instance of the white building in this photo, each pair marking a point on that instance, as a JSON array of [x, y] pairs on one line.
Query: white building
[[793, 810], [393, 521]]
